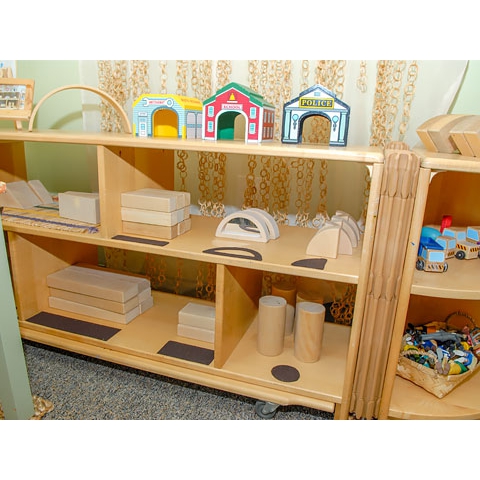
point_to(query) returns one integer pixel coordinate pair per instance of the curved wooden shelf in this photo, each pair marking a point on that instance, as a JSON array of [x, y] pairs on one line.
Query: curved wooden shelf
[[411, 402], [460, 281]]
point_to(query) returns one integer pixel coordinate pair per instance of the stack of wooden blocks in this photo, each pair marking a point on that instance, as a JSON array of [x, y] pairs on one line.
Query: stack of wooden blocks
[[155, 212], [99, 293], [197, 321]]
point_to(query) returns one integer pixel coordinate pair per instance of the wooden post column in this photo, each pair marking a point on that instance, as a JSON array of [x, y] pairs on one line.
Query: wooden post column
[[397, 197]]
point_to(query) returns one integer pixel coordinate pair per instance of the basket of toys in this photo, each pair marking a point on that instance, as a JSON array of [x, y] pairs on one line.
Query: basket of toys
[[439, 356]]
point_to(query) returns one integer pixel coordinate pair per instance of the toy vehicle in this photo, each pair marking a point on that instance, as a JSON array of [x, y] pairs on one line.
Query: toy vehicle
[[431, 256], [466, 247], [473, 234]]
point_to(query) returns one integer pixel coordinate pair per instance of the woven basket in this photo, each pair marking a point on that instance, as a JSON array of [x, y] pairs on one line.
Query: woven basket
[[428, 378]]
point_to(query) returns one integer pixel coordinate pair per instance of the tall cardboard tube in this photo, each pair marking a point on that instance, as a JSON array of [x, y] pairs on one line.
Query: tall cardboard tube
[[271, 325], [286, 290], [308, 335]]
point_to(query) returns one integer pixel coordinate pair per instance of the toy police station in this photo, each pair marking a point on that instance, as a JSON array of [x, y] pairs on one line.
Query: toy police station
[[316, 100]]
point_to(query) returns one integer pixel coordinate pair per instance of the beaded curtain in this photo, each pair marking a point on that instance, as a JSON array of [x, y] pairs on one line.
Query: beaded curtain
[[388, 99]]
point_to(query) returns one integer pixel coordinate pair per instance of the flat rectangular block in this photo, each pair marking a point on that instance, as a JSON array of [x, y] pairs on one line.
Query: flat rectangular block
[[80, 206], [196, 333], [40, 191], [155, 199], [96, 285], [19, 195], [157, 231], [82, 309], [143, 283], [117, 307], [197, 315], [153, 217]]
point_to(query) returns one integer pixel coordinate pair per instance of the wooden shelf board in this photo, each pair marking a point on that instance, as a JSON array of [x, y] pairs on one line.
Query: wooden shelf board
[[448, 161], [138, 342], [277, 255], [322, 379], [411, 402], [359, 154], [459, 281]]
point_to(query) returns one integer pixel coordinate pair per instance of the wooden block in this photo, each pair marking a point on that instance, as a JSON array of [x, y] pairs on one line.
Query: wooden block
[[153, 217], [19, 195], [472, 135], [146, 304], [325, 242], [155, 199], [142, 282], [82, 309], [80, 206], [88, 283], [117, 307], [272, 314], [197, 315], [308, 334], [196, 333], [435, 133], [40, 191], [157, 231]]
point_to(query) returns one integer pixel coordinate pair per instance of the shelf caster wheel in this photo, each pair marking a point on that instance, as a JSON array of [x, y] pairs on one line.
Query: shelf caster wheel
[[266, 410]]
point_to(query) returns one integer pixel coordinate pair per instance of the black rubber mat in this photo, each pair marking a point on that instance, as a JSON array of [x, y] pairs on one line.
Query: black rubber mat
[[71, 325], [187, 352], [285, 373], [148, 241]]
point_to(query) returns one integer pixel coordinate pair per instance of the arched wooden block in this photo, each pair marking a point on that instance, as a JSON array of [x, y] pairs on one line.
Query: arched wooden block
[[349, 225], [330, 241], [272, 226], [460, 137], [472, 135], [116, 106], [227, 228], [435, 133]]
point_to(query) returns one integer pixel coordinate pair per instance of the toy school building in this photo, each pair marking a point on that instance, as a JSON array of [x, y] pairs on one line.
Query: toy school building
[[221, 114]]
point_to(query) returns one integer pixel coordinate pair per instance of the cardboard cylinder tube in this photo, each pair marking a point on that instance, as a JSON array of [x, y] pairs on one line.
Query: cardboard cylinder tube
[[271, 325], [308, 334], [286, 290]]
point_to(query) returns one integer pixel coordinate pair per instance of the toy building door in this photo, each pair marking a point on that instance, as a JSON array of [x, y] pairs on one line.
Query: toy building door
[[231, 126], [315, 128], [165, 123]]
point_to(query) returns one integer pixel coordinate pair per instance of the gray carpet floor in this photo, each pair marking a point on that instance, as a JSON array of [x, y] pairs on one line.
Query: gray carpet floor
[[83, 388]]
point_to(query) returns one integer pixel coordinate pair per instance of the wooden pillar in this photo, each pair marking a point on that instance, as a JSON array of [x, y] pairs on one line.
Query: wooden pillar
[[391, 236]]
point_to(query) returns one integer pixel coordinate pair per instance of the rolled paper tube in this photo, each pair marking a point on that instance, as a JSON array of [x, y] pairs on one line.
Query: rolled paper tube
[[285, 290], [289, 319], [271, 325], [308, 334], [309, 296]]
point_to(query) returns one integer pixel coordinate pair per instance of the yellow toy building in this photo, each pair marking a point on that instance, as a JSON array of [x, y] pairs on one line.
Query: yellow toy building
[[165, 115]]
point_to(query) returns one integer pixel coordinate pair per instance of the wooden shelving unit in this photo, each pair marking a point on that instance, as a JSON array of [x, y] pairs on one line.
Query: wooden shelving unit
[[126, 163], [448, 184]]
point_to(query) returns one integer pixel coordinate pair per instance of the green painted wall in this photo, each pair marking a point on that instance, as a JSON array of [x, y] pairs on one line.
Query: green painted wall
[[65, 167], [468, 98], [73, 167]]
